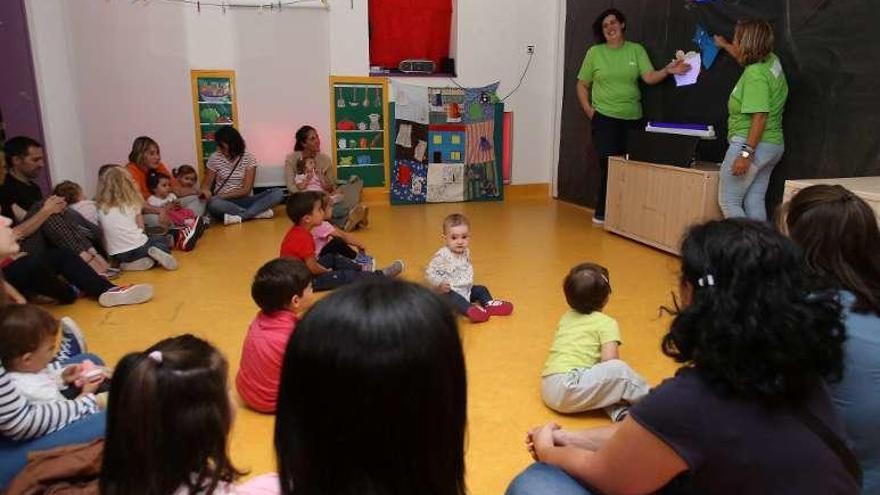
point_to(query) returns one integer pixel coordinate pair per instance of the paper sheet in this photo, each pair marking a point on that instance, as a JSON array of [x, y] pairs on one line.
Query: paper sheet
[[412, 103], [689, 77]]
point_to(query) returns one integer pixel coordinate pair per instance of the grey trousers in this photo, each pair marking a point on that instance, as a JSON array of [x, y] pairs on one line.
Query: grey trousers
[[608, 385]]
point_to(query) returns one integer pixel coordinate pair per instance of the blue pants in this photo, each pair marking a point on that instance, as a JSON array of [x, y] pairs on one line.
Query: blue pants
[[13, 454], [479, 293], [157, 241], [345, 271], [246, 207], [544, 479], [743, 195]]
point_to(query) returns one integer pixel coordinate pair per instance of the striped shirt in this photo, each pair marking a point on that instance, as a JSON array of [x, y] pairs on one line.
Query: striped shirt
[[223, 168], [22, 420]]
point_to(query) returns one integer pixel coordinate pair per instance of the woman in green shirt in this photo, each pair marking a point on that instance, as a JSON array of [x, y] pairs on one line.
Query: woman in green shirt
[[754, 121], [608, 90]]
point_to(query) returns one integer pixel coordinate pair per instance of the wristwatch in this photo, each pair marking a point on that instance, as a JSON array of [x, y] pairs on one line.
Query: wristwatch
[[747, 151]]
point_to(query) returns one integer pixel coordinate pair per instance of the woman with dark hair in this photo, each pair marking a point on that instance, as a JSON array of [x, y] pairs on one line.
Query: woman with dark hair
[[608, 91], [754, 123], [747, 412], [168, 421], [348, 212], [229, 181], [398, 423], [839, 235]]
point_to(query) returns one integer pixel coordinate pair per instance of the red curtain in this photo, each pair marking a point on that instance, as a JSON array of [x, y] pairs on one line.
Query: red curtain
[[404, 29]]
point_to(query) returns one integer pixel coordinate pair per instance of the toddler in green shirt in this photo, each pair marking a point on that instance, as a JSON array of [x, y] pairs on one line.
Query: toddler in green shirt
[[583, 371]]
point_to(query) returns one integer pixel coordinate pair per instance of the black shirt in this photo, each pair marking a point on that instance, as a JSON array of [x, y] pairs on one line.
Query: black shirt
[[23, 194], [733, 446]]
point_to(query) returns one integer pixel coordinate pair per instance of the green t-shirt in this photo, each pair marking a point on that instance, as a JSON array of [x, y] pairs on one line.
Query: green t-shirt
[[614, 77], [761, 89], [578, 341]]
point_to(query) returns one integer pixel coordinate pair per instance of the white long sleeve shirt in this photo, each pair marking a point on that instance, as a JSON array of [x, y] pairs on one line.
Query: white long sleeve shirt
[[456, 269]]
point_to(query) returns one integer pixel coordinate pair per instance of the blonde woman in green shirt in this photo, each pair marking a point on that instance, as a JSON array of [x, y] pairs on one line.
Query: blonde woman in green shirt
[[608, 91], [754, 121]]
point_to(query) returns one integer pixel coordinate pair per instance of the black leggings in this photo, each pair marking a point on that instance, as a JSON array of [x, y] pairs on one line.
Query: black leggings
[[338, 246], [609, 137], [41, 274]]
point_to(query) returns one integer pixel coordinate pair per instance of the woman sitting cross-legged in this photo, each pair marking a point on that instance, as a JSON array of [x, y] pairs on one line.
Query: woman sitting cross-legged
[[748, 412], [229, 181]]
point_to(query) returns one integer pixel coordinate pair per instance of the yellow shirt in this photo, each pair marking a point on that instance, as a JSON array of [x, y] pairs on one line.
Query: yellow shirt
[[578, 341]]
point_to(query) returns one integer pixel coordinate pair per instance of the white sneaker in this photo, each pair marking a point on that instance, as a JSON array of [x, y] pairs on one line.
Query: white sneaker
[[166, 260], [126, 294], [138, 265], [266, 214], [230, 219]]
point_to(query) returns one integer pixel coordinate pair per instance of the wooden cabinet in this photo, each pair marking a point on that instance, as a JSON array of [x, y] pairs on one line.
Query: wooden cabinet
[[655, 204], [867, 188]]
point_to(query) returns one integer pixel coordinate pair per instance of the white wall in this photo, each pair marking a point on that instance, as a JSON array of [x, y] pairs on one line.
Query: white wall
[[111, 71], [491, 45]]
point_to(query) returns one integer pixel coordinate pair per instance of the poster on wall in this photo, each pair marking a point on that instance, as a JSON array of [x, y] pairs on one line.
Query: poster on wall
[[446, 144], [214, 106], [359, 114]]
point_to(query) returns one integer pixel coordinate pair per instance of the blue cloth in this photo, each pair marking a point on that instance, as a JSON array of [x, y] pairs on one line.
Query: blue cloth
[[708, 50], [13, 454], [857, 396], [544, 479]]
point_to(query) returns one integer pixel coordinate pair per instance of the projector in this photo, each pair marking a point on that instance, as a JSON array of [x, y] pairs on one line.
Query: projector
[[416, 66]]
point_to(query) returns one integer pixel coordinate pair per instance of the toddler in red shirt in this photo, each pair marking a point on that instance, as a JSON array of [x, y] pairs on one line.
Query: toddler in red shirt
[[281, 288], [329, 270]]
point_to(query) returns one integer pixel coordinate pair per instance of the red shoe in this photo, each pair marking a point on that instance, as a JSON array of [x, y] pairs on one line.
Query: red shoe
[[477, 314], [499, 308]]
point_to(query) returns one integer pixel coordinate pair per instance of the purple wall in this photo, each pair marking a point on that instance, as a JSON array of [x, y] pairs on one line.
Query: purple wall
[[19, 103]]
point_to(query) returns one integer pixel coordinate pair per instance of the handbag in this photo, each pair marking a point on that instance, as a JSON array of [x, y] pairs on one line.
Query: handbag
[[214, 187]]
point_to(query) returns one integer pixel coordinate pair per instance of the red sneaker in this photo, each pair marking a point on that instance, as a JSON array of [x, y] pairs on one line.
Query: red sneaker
[[477, 314], [499, 308]]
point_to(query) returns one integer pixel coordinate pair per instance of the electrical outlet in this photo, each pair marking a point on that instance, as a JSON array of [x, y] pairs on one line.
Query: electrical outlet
[[530, 49]]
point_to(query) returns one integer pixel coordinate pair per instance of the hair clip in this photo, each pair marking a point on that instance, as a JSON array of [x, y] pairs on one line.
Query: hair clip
[[156, 356], [607, 282], [706, 281]]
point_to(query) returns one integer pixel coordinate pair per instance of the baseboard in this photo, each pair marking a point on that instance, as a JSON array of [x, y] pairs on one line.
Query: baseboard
[[379, 195], [537, 190]]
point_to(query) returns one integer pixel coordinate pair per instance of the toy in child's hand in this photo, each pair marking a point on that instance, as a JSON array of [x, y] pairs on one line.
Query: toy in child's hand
[[89, 372]]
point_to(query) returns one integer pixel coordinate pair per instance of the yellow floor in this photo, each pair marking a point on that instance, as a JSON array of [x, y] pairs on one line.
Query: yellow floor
[[521, 250]]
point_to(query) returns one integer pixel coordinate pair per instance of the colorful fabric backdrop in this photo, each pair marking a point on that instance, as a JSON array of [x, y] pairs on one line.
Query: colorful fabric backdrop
[[447, 144]]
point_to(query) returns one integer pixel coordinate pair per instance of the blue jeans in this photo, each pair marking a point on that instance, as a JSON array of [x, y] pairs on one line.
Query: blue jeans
[[544, 479], [743, 195], [246, 207], [479, 293], [345, 271], [13, 454], [157, 241]]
